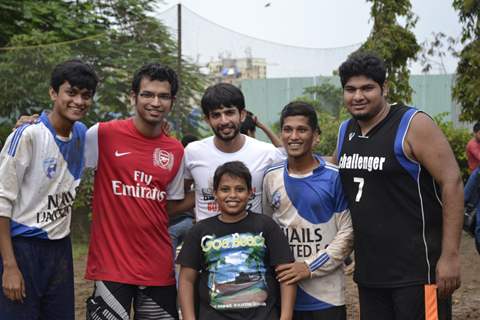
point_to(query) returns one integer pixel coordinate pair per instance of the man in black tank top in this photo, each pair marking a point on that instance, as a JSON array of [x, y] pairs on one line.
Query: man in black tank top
[[406, 200]]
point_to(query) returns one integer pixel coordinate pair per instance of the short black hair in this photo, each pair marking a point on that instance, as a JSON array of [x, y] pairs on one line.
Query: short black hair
[[363, 63], [476, 127], [155, 71], [77, 73], [233, 169], [248, 124], [300, 108], [222, 94], [188, 138]]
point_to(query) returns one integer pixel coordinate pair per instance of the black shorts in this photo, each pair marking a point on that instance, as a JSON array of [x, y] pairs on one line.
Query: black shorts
[[413, 303], [148, 302], [47, 269], [334, 313]]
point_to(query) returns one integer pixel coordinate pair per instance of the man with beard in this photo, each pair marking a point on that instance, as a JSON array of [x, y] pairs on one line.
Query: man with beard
[[405, 196], [223, 106]]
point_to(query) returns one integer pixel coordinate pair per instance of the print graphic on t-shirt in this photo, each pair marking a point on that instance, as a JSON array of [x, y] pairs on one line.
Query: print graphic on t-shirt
[[236, 270]]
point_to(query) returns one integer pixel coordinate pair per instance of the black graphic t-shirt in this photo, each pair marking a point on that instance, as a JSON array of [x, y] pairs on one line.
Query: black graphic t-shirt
[[236, 264]]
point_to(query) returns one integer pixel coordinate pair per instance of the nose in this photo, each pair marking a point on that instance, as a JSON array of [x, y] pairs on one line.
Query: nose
[[294, 135], [78, 100], [156, 101], [358, 95], [224, 118]]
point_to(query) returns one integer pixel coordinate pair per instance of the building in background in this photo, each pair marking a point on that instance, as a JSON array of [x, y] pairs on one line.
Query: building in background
[[234, 70]]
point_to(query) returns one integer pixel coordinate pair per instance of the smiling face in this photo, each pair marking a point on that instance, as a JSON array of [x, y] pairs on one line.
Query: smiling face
[[71, 103], [363, 97], [232, 195], [153, 102], [225, 122], [298, 137]]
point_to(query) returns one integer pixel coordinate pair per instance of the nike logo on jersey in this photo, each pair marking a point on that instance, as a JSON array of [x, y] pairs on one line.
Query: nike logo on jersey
[[351, 135], [121, 154]]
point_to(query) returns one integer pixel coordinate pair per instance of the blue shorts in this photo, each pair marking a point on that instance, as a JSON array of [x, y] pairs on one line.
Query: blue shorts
[[47, 270]]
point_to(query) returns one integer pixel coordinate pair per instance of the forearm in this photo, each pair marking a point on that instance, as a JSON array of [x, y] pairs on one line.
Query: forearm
[[270, 134], [6, 248], [175, 207], [288, 294], [452, 212], [338, 249], [186, 290]]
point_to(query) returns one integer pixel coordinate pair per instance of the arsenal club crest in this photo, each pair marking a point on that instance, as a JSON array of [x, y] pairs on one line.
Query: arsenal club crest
[[163, 159]]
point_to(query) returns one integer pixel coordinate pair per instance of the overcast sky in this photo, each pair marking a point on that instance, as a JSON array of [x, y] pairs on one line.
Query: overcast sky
[[318, 23]]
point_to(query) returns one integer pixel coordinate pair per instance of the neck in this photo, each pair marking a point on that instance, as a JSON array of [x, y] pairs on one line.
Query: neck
[[147, 129], [231, 145], [302, 165], [367, 125], [232, 219], [62, 126]]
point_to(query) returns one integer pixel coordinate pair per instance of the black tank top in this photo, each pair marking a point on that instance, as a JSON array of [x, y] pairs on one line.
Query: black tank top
[[394, 201]]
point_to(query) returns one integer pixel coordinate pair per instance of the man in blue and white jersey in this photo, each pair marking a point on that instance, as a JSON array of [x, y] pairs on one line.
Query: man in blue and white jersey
[[305, 197], [40, 166]]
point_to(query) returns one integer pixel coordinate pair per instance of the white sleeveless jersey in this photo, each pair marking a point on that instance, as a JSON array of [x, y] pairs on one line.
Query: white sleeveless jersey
[[40, 173]]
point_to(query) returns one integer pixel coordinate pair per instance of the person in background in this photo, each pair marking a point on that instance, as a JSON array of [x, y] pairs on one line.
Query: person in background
[[251, 122], [473, 149], [181, 223]]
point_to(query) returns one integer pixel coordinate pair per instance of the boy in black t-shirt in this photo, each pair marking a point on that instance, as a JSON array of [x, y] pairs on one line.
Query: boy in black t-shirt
[[234, 255]]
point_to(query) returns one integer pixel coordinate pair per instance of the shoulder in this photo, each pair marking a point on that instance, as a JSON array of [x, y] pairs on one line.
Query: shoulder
[[258, 145], [259, 219], [199, 145], [275, 168], [113, 124]]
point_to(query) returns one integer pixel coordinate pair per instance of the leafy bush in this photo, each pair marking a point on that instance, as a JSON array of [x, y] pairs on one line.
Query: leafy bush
[[458, 139]]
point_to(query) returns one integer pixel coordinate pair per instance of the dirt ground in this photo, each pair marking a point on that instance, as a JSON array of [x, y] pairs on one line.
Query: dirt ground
[[466, 300]]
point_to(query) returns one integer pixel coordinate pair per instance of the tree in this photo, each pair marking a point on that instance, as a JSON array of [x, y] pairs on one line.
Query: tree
[[395, 43], [116, 37], [466, 89], [434, 52], [325, 97]]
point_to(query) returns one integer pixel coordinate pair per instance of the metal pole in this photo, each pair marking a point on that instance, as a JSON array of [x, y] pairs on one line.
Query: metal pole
[[179, 40]]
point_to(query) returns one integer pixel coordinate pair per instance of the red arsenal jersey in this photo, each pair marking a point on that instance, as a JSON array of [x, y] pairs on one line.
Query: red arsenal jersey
[[135, 176]]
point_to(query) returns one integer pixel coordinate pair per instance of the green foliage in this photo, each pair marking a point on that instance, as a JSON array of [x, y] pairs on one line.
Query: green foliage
[[116, 37], [458, 139], [396, 44], [329, 126], [325, 97], [466, 90]]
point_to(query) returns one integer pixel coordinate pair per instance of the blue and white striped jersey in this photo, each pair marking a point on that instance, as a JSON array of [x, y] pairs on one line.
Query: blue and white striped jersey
[[40, 173], [313, 212]]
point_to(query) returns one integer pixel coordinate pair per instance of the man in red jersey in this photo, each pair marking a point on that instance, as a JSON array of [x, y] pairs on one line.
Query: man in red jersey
[[139, 169]]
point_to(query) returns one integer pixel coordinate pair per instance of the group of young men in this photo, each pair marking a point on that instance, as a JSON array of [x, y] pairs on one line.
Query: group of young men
[[395, 198]]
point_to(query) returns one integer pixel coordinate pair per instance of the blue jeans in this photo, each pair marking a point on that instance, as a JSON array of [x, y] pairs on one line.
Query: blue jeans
[[177, 232], [472, 195]]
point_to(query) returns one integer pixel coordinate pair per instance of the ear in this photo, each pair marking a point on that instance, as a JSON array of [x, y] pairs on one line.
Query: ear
[[53, 94], [243, 115], [385, 89], [316, 139], [133, 98], [206, 119]]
